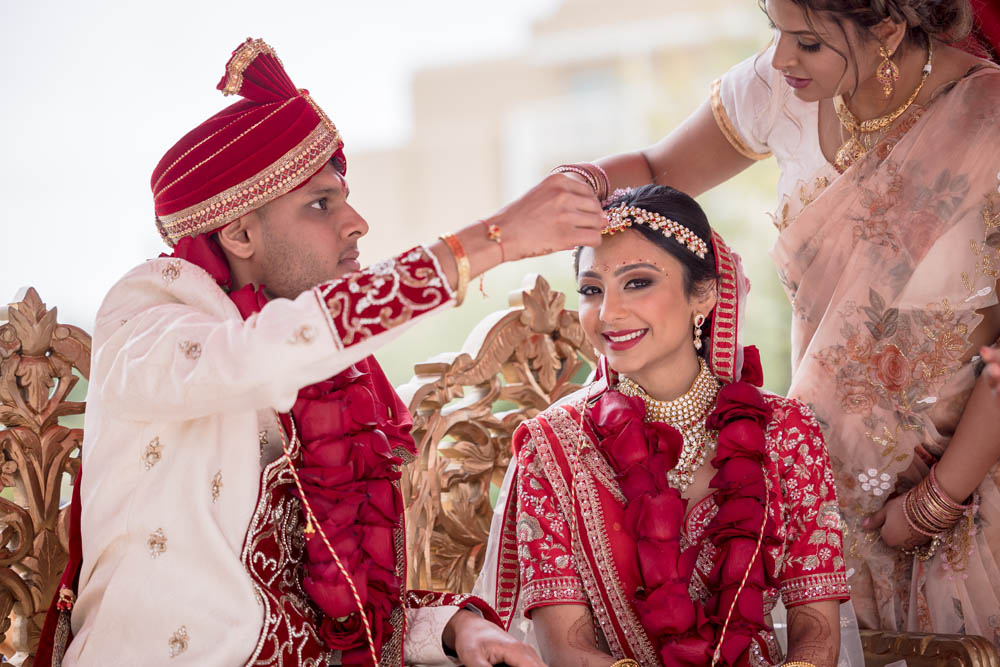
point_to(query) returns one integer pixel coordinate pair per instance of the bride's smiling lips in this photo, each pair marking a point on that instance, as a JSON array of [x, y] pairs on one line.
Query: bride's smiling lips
[[624, 339]]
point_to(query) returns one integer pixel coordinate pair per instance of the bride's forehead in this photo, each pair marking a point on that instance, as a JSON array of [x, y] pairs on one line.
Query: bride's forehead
[[626, 247]]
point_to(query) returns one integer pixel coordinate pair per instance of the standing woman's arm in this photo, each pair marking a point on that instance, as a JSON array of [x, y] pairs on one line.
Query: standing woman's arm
[[695, 157]]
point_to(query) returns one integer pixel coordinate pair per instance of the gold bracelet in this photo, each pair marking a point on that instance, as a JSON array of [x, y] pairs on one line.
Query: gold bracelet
[[462, 262], [798, 663], [625, 662]]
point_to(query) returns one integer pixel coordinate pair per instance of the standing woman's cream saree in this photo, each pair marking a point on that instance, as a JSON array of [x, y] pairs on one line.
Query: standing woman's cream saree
[[886, 266]]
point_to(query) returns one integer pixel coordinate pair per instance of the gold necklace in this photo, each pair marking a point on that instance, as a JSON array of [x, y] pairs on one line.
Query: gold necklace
[[687, 414], [857, 146]]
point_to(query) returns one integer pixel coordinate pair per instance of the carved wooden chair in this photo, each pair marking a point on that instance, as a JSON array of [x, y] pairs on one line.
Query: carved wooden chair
[[465, 407], [38, 357]]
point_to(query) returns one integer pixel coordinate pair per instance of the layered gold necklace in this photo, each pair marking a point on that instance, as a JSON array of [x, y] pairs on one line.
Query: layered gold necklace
[[687, 414], [864, 135]]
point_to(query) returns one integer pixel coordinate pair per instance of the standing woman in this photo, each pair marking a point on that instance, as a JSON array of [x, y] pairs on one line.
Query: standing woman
[[889, 220]]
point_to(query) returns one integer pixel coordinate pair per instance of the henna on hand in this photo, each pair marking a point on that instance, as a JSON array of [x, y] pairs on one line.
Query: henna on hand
[[582, 637], [813, 636]]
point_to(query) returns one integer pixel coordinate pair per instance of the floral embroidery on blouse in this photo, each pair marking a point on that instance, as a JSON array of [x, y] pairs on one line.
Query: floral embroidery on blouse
[[548, 573]]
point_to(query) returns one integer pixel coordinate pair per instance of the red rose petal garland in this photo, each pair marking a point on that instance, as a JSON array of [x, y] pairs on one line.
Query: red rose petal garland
[[683, 632], [349, 426], [741, 417]]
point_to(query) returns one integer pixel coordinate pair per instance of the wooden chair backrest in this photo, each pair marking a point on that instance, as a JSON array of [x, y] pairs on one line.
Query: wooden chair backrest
[[38, 357], [465, 407]]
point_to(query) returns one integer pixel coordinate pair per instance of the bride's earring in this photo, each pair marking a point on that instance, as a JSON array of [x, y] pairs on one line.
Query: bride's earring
[[699, 319], [887, 73]]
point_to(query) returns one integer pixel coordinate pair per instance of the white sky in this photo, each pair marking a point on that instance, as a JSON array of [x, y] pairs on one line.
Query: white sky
[[93, 93]]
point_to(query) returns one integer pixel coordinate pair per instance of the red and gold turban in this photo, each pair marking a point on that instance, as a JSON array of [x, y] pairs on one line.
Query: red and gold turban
[[248, 154]]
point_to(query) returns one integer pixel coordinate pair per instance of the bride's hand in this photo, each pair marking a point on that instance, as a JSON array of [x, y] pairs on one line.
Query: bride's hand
[[892, 525]]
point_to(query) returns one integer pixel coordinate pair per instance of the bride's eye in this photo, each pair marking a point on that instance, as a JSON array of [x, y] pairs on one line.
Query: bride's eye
[[638, 283], [810, 48], [588, 290]]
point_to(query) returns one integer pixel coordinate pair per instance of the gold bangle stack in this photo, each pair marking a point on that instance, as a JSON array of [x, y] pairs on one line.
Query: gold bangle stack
[[596, 177], [799, 663], [625, 662], [462, 262], [928, 510]]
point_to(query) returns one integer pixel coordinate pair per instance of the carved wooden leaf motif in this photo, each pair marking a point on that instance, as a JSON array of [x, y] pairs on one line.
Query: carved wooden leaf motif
[[37, 361], [524, 359], [542, 306]]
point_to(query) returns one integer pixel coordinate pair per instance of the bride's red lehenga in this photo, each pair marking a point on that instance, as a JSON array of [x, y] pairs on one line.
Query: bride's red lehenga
[[591, 520]]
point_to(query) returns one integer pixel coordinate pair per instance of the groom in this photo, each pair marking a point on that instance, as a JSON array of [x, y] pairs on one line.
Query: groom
[[239, 501]]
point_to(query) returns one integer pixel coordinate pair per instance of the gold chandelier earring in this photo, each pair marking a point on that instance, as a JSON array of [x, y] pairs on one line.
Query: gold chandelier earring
[[699, 320], [887, 72]]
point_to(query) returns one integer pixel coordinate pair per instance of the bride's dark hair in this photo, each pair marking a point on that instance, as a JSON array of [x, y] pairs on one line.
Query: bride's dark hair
[[699, 273]]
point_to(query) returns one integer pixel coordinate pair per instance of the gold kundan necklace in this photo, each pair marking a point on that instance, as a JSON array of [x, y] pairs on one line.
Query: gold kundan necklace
[[865, 134], [687, 414]]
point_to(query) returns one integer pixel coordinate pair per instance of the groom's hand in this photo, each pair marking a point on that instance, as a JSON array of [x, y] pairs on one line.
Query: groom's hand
[[480, 643], [559, 213]]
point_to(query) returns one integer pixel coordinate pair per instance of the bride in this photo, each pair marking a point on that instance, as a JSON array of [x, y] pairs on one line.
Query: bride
[[657, 516]]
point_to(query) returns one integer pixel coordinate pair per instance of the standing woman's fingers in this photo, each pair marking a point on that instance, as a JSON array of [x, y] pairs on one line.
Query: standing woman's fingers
[[875, 521]]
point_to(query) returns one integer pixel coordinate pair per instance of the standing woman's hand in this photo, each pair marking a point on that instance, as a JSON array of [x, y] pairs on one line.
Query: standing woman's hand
[[893, 527], [991, 357]]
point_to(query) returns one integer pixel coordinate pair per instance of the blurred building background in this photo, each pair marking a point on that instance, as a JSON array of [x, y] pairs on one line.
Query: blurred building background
[[591, 82]]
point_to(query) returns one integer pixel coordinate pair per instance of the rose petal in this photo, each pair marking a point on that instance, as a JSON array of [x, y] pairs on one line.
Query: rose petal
[[661, 515]]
